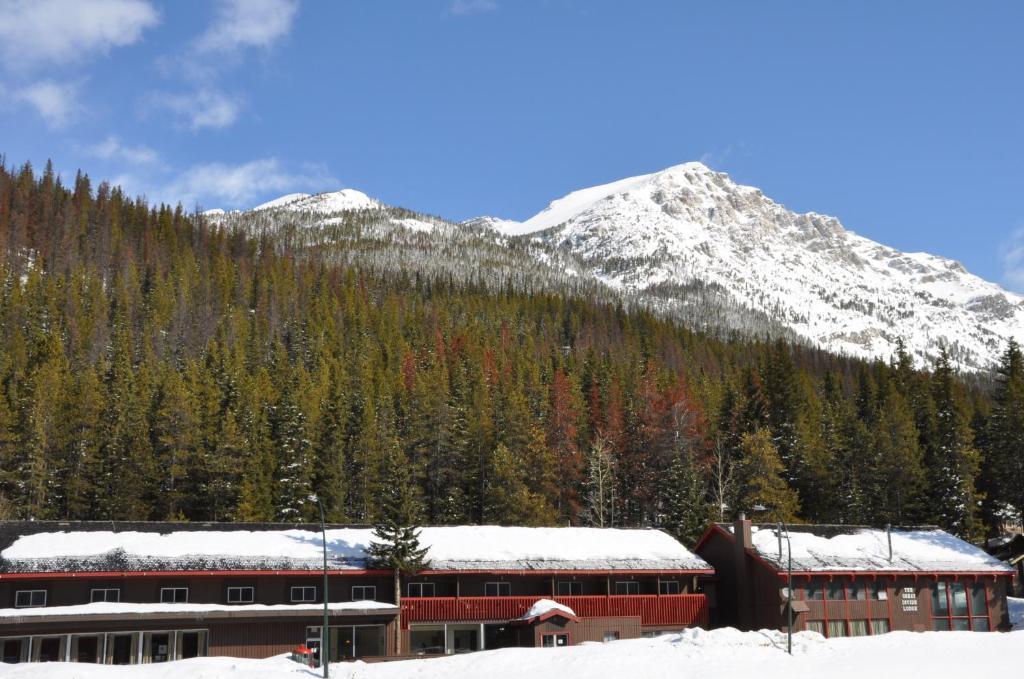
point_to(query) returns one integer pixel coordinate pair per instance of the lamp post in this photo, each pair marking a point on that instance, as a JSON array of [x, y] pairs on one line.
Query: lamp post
[[780, 525], [325, 632]]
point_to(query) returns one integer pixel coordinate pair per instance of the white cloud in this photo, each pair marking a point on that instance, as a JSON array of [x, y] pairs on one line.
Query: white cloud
[[205, 107], [36, 32], [238, 186], [463, 7], [1013, 260], [56, 102], [111, 148], [247, 23]]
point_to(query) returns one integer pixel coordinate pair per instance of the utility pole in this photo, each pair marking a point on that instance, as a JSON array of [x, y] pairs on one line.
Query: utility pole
[[325, 631]]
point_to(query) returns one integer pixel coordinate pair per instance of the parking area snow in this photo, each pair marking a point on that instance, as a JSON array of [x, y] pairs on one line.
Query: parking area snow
[[716, 654]]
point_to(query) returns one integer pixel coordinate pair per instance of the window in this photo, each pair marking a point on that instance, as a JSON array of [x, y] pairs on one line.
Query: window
[[834, 590], [174, 595], [814, 590], [858, 590], [668, 587], [879, 590], [836, 628], [570, 588], [30, 598], [959, 606], [497, 589], [611, 636], [421, 589], [816, 626], [364, 593], [109, 594], [554, 640], [303, 595], [241, 595], [627, 587], [880, 626], [858, 628]]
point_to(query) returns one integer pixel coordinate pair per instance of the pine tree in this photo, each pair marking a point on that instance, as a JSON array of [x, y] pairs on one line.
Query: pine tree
[[684, 499], [396, 546], [1005, 439], [761, 473]]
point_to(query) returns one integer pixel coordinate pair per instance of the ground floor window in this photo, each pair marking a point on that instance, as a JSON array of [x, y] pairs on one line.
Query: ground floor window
[[959, 606], [348, 642], [836, 628], [880, 626], [87, 648], [858, 628], [48, 649], [611, 636], [816, 626], [853, 628], [554, 640]]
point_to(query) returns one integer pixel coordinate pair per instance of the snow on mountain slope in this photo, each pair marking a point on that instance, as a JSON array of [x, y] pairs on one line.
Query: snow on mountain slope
[[831, 287], [326, 203]]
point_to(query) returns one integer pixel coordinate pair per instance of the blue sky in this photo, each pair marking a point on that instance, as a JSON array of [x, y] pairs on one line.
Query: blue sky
[[902, 119]]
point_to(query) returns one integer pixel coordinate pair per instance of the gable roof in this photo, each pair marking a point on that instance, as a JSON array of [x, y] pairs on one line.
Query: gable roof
[[103, 546], [820, 548]]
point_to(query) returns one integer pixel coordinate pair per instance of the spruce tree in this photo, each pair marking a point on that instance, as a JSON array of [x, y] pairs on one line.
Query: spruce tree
[[396, 546], [762, 482]]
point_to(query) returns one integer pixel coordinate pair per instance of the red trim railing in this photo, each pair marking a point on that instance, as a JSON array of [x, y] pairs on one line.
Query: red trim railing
[[652, 609]]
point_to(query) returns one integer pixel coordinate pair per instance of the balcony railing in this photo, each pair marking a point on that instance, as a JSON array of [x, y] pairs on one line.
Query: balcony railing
[[652, 609]]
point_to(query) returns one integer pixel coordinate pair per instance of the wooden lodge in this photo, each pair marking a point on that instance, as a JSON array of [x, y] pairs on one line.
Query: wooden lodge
[[135, 593], [853, 580]]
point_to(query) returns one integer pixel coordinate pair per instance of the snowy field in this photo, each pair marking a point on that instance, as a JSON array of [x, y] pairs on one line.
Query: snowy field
[[718, 654]]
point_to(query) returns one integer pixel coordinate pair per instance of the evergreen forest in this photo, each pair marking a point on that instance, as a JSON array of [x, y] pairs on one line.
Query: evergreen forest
[[155, 365]]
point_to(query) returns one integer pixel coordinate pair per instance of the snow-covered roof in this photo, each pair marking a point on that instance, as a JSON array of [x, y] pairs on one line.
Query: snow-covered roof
[[461, 548], [542, 607], [124, 609], [830, 548]]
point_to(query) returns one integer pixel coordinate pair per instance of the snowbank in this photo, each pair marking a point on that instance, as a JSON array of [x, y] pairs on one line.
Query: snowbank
[[450, 547], [717, 654], [868, 549], [1016, 607]]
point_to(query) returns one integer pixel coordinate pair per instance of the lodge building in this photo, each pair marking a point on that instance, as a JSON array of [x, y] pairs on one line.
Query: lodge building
[[131, 593], [853, 580]]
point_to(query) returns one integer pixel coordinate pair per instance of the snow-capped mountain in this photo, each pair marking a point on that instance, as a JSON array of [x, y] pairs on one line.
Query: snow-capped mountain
[[832, 288]]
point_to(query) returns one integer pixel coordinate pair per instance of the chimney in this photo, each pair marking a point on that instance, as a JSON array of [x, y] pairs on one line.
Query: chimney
[[744, 595]]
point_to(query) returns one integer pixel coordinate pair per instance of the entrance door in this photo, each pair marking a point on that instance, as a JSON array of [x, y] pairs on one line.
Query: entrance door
[[156, 647], [463, 638], [343, 644], [48, 649], [85, 649], [121, 649], [191, 644], [14, 650], [370, 641]]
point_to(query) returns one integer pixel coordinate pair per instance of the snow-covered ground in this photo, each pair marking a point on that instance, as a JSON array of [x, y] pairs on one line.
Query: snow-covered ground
[[718, 654]]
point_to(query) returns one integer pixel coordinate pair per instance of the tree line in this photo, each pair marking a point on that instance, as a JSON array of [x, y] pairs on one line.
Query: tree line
[[154, 365]]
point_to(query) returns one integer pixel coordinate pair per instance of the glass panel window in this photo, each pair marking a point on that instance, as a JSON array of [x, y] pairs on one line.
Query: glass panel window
[[498, 589], [554, 640], [174, 595], [858, 590], [426, 641], [570, 588], [961, 625], [834, 590], [816, 626], [303, 594], [241, 595], [879, 590], [668, 587], [958, 592], [836, 628], [858, 628], [627, 587], [979, 599], [940, 624], [611, 636], [30, 598], [364, 592], [108, 594], [940, 602], [880, 626], [814, 590], [979, 624], [421, 589]]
